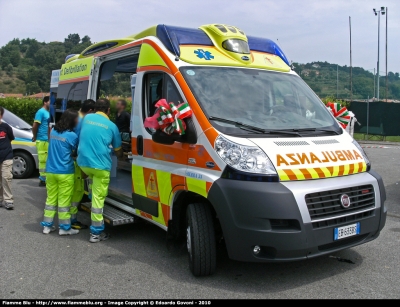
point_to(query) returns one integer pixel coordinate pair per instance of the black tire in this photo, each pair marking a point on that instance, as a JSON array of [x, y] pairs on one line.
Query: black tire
[[200, 240], [23, 165]]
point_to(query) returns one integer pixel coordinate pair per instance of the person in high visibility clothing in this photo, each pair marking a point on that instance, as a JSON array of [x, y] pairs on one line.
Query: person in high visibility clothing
[[60, 174], [98, 134], [40, 136], [79, 188]]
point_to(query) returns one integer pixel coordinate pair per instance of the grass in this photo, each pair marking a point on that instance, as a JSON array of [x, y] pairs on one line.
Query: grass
[[362, 137]]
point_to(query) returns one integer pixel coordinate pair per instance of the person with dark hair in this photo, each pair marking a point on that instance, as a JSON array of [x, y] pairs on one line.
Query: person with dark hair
[[98, 134], [87, 107], [60, 174], [123, 118], [40, 136], [6, 163]]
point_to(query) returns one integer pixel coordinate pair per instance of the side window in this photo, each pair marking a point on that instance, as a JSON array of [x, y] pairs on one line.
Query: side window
[[158, 86]]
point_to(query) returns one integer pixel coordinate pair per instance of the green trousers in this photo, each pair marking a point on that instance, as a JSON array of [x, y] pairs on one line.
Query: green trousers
[[42, 150], [100, 180], [59, 191], [77, 193]]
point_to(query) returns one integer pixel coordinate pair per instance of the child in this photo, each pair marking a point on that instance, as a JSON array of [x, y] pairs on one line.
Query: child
[[6, 163], [60, 174]]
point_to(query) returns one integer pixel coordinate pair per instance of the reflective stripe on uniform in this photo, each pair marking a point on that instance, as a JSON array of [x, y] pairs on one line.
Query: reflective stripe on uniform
[[48, 219], [65, 222], [50, 207], [75, 204], [97, 223], [63, 209], [97, 210]]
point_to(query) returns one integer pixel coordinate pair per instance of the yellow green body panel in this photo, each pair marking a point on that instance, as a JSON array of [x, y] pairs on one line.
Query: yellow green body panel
[[119, 41], [218, 37], [76, 69], [257, 59], [149, 57], [152, 31]]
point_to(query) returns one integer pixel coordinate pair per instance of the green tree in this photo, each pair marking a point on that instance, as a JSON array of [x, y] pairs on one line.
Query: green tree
[[86, 39], [34, 47], [15, 58], [32, 88]]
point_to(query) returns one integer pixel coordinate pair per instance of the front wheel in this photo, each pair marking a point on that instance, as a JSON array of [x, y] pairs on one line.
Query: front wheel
[[23, 165], [200, 238]]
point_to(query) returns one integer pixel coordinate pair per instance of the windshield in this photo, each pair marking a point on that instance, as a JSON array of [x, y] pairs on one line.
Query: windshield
[[263, 99], [15, 121]]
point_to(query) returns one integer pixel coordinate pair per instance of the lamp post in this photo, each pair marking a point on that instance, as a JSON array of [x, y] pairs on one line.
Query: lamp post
[[378, 13]]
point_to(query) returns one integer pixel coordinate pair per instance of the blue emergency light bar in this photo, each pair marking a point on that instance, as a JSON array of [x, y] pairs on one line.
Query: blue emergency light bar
[[172, 37]]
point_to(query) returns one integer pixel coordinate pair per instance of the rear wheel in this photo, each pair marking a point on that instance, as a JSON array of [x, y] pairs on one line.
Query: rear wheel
[[23, 165], [200, 238]]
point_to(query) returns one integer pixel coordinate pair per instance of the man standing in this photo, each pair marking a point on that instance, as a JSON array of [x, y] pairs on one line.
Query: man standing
[[6, 163], [123, 119], [97, 135], [79, 188], [40, 136]]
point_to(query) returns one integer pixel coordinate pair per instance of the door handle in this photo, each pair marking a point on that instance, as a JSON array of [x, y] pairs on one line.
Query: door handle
[[139, 145]]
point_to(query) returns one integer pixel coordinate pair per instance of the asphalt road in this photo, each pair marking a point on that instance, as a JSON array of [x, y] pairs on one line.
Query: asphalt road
[[137, 263]]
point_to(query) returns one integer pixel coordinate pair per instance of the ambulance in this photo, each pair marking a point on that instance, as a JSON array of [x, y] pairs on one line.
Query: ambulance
[[251, 158]]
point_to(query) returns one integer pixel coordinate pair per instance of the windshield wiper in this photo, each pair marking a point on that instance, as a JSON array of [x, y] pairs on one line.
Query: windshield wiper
[[315, 130], [253, 128], [238, 124], [25, 129]]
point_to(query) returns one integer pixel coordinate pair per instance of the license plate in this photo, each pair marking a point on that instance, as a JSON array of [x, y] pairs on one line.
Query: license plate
[[346, 231]]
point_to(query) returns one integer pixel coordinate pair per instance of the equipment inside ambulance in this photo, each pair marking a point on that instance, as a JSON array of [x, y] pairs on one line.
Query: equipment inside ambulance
[[228, 145]]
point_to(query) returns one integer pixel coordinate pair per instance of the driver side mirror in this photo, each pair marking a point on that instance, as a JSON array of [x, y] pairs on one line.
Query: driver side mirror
[[189, 137]]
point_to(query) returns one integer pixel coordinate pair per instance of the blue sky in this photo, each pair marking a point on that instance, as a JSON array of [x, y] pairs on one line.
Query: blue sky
[[308, 30]]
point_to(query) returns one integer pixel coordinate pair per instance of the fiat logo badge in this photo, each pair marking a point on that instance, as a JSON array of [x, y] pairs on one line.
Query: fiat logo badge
[[345, 201]]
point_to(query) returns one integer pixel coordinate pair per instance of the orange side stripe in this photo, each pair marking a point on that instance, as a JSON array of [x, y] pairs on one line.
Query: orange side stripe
[[74, 80], [306, 173], [290, 174], [154, 68], [341, 170], [320, 173]]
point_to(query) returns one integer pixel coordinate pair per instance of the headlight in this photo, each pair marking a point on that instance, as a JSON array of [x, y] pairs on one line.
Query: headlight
[[363, 154], [249, 159]]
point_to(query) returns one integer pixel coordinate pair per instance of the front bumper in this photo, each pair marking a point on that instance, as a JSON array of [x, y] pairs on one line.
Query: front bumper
[[275, 217]]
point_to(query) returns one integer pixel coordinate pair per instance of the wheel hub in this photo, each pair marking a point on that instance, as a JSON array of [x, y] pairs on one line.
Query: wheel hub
[[19, 165]]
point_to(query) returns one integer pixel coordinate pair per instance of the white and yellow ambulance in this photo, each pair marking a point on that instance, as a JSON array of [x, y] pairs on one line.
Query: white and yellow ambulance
[[262, 164]]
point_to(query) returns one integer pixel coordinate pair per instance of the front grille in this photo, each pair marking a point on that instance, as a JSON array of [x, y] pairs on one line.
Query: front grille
[[291, 143], [326, 205], [343, 220], [325, 142]]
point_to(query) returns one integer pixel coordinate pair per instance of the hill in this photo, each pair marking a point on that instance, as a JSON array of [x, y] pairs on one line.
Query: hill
[[26, 65], [322, 78]]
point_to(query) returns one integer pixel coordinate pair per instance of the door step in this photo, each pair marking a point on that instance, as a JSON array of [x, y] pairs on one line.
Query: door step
[[112, 215]]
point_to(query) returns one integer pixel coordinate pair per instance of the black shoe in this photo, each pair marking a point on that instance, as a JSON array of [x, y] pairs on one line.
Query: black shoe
[[78, 225], [42, 183]]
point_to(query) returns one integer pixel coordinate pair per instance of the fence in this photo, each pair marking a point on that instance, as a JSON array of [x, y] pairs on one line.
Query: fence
[[377, 118]]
